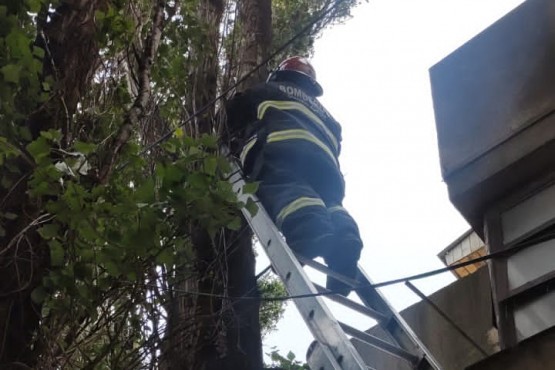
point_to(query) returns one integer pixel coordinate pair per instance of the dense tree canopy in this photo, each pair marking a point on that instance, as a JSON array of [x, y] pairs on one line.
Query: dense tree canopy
[[120, 236]]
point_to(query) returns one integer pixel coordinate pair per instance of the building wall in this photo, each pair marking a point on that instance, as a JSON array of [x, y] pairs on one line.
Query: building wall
[[468, 303], [535, 353]]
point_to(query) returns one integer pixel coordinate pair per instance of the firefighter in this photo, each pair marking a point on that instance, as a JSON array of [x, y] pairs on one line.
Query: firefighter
[[289, 143]]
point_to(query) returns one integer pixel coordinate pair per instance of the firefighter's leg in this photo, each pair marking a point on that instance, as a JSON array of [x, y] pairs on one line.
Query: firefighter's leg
[[344, 255], [298, 212]]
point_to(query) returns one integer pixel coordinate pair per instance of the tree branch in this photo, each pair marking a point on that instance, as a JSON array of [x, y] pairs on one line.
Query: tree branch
[[137, 110]]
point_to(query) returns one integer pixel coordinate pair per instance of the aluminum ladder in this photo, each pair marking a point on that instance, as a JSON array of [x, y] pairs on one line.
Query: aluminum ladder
[[332, 348]]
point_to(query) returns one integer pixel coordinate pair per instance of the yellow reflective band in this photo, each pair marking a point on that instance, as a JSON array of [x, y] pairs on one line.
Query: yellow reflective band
[[246, 149], [337, 209], [298, 134], [297, 204], [292, 105]]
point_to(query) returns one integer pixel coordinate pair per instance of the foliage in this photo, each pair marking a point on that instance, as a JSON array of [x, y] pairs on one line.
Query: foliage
[[271, 311], [289, 17], [288, 362], [20, 65], [96, 209], [111, 246]]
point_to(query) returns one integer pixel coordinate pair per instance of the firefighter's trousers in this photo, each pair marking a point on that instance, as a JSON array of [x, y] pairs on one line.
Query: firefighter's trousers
[[312, 224]]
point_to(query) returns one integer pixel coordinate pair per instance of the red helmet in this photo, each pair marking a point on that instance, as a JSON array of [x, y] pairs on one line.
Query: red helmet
[[298, 70]]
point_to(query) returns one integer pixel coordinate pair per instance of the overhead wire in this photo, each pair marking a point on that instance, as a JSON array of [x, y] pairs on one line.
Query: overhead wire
[[423, 275], [212, 102]]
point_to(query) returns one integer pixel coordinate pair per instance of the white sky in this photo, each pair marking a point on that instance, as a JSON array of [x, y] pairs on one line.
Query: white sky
[[374, 70]]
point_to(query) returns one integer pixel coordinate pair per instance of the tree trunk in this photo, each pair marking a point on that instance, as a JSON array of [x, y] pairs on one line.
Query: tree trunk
[[210, 333], [255, 17]]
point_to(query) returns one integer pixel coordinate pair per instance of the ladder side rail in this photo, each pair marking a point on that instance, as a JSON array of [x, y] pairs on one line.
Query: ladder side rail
[[396, 328], [366, 295], [327, 361], [394, 332], [325, 329]]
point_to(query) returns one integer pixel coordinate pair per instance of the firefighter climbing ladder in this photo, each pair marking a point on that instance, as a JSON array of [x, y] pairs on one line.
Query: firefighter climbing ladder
[[333, 349]]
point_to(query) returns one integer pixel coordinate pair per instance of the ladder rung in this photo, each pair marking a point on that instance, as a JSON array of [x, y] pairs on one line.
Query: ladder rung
[[378, 343], [397, 326], [324, 327], [324, 269], [337, 351], [352, 304]]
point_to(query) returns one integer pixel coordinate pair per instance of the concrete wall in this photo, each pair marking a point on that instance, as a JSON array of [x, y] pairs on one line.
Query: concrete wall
[[468, 303], [535, 353]]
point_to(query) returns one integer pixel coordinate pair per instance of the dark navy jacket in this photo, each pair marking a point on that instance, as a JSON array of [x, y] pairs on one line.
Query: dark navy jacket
[[278, 124]]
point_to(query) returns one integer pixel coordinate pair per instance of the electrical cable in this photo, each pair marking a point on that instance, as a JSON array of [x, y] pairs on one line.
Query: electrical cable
[[285, 298], [195, 114], [423, 275]]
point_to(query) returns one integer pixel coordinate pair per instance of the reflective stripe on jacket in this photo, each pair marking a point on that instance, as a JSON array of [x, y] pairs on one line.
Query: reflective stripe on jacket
[[278, 121], [310, 116]]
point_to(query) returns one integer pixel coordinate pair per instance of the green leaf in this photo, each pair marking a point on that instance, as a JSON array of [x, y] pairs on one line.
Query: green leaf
[[99, 15], [210, 165], [48, 231], [52, 135], [145, 192], [251, 187], [84, 292], [172, 174], [224, 165], [290, 356], [34, 5], [112, 268], [11, 72], [86, 231], [57, 253], [39, 149], [84, 148], [25, 133], [197, 180], [235, 224], [87, 254], [38, 295], [18, 44], [82, 270], [188, 141], [170, 147], [193, 150], [209, 141], [166, 257], [38, 52], [252, 207]]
